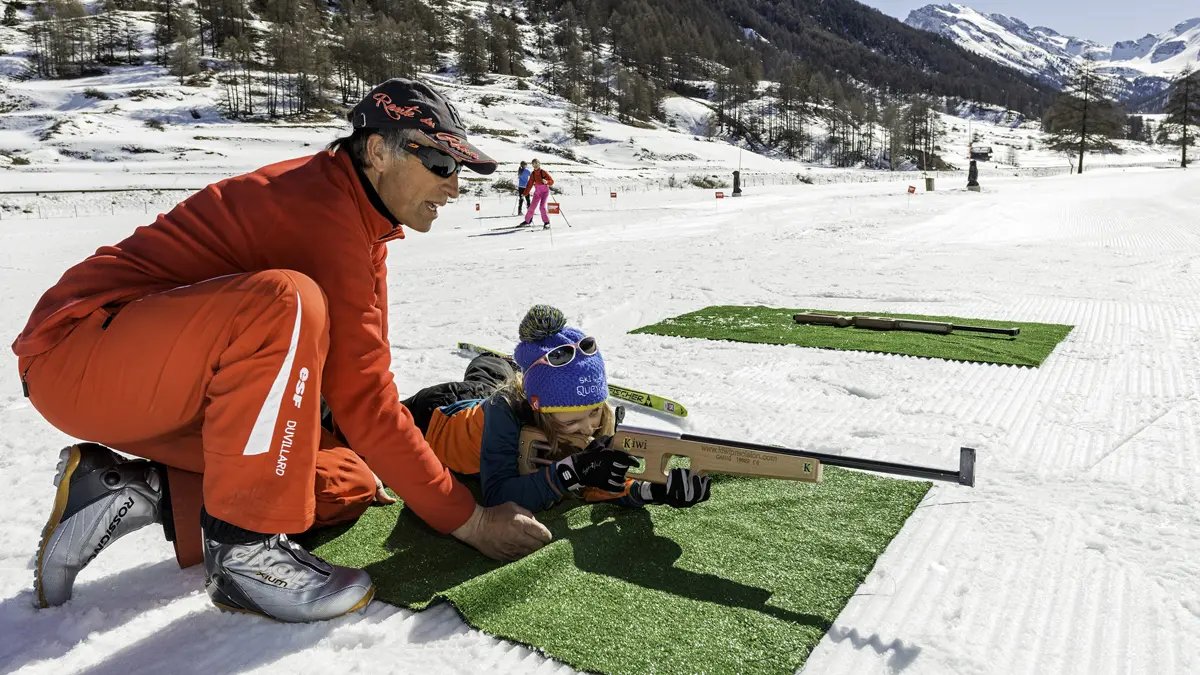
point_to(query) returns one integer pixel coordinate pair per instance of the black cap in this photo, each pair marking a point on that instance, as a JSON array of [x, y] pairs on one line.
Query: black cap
[[400, 103]]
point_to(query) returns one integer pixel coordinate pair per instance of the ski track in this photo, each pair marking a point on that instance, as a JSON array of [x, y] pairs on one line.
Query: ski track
[[1077, 552]]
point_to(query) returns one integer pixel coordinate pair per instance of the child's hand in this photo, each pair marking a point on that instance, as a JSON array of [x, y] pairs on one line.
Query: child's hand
[[683, 489], [598, 466], [381, 495]]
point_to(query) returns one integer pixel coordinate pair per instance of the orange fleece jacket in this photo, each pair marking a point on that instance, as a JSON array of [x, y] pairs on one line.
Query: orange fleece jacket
[[538, 177], [311, 215]]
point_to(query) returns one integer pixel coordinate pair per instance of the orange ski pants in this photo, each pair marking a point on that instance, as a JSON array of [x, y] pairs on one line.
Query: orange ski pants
[[221, 378]]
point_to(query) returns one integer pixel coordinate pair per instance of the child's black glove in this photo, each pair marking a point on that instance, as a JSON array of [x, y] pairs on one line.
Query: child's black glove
[[597, 465], [683, 489]]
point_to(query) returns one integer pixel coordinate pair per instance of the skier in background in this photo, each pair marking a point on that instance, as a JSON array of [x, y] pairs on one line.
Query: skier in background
[[539, 184], [522, 181]]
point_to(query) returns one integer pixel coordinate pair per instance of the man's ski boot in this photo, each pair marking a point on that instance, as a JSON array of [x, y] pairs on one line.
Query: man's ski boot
[[101, 498], [276, 578]]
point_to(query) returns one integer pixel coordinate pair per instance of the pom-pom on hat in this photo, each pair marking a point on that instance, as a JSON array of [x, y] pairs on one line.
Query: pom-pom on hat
[[578, 385]]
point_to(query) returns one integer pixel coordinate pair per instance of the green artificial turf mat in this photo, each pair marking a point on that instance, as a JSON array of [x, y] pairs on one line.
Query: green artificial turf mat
[[746, 582], [775, 326]]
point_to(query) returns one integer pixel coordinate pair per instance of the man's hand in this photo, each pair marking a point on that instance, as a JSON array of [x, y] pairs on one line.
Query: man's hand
[[683, 489], [598, 466], [504, 532]]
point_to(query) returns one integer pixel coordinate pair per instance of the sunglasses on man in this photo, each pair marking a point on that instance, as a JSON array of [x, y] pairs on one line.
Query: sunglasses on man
[[564, 354], [441, 164]]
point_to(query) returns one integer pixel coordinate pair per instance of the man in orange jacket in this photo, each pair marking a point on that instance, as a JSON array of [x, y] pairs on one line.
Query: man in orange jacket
[[206, 341]]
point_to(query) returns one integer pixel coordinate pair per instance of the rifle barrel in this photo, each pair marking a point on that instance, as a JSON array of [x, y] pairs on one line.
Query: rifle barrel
[[965, 475], [1012, 332], [889, 323]]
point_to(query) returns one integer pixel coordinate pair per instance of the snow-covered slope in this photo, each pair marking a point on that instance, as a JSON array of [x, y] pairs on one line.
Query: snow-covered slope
[[1039, 51], [1075, 554], [1141, 67]]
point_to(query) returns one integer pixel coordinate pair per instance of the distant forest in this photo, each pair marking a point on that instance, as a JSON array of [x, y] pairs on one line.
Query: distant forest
[[872, 83]]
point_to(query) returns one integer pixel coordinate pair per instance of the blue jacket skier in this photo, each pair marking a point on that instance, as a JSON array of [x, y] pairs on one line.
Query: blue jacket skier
[[522, 181]]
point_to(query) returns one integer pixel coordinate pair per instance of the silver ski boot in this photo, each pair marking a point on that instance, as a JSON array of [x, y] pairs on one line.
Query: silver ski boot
[[101, 498], [276, 578]]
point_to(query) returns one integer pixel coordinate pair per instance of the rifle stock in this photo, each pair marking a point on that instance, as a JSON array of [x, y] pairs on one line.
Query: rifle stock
[[657, 449], [715, 455]]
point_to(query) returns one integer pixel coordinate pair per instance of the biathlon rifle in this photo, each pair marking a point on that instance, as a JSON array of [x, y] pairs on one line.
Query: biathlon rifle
[[884, 323], [738, 458]]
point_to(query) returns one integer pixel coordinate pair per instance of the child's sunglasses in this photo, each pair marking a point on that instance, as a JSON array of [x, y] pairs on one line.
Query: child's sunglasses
[[441, 164], [564, 354]]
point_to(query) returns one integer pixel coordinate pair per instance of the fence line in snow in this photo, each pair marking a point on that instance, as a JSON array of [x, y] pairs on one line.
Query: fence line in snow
[[567, 186]]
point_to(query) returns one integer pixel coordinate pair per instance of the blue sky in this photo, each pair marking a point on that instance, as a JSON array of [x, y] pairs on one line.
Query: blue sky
[[1105, 21]]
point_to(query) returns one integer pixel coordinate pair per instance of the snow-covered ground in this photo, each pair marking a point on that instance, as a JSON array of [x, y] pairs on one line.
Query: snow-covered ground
[[1077, 552]]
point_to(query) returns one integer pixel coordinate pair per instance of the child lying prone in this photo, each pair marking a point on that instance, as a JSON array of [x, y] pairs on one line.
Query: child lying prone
[[474, 426]]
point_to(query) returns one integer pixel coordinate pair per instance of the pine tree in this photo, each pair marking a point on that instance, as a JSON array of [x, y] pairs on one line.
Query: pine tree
[[599, 92], [1083, 119], [472, 50], [921, 128], [167, 15], [871, 122], [1135, 128], [793, 107], [892, 119], [516, 48], [506, 53], [541, 31], [108, 32], [129, 39], [220, 19], [579, 121], [231, 79], [572, 60], [183, 60], [498, 47], [64, 43], [1183, 113]]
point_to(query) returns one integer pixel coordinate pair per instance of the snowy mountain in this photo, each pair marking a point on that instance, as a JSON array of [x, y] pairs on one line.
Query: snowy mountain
[[1140, 68]]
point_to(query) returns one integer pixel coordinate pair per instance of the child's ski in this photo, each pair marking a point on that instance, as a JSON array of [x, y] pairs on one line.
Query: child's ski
[[476, 349], [641, 398], [648, 400]]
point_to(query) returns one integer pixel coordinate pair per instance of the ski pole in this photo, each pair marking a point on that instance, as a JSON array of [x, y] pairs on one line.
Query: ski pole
[[564, 215]]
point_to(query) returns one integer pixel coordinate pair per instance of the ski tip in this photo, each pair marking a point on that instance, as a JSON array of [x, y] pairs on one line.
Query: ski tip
[[471, 349]]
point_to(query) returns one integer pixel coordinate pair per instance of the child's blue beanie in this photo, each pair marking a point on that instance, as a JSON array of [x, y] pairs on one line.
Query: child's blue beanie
[[579, 385]]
